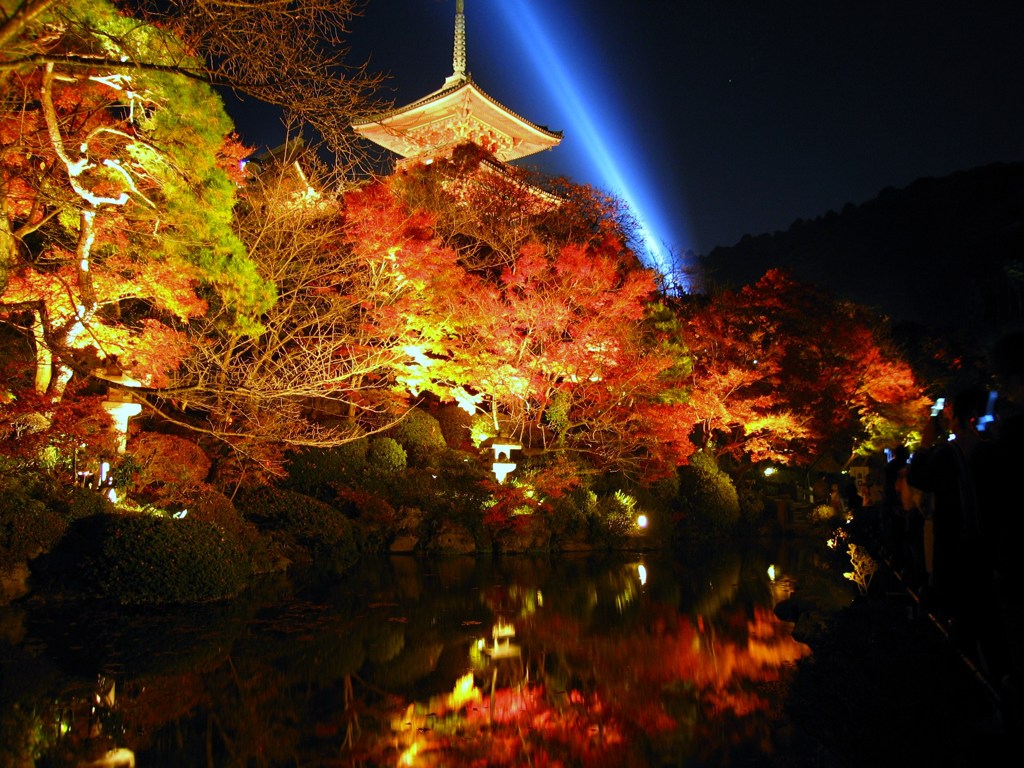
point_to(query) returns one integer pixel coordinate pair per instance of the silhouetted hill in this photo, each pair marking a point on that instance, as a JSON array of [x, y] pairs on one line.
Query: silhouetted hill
[[946, 252]]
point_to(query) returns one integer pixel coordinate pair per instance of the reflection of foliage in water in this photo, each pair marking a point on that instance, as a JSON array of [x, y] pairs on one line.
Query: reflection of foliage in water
[[610, 668]]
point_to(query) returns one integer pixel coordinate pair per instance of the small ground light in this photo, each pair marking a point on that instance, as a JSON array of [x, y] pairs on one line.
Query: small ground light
[[769, 471], [641, 521], [771, 572]]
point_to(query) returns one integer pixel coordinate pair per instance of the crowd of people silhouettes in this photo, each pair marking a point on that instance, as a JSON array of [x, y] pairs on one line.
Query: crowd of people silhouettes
[[951, 522]]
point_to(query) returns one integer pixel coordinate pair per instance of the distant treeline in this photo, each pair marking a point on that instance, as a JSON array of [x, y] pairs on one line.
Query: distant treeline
[[946, 253]]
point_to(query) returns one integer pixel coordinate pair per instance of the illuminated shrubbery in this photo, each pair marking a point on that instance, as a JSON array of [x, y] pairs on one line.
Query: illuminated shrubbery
[[420, 435], [456, 426], [709, 503], [315, 471], [385, 456]]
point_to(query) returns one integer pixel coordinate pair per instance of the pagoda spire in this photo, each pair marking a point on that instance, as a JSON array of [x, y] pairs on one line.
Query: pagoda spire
[[459, 54], [457, 113]]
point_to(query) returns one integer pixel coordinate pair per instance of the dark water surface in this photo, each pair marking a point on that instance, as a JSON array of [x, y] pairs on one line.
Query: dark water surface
[[625, 660]]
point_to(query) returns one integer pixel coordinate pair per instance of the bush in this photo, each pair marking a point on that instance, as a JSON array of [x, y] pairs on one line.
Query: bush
[[210, 506], [385, 457], [420, 435], [456, 427], [165, 466], [615, 518], [708, 500], [146, 559], [301, 521], [313, 471], [35, 512]]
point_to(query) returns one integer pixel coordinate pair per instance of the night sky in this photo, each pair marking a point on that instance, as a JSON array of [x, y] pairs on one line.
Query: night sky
[[719, 118]]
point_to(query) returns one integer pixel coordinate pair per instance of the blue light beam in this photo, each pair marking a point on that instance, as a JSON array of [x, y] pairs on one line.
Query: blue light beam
[[580, 113]]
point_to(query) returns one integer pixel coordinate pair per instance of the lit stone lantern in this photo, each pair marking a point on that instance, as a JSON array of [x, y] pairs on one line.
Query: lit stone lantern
[[119, 403], [503, 464]]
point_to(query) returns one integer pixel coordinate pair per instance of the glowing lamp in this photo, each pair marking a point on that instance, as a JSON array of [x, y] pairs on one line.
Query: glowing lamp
[[503, 464], [641, 521], [119, 403]]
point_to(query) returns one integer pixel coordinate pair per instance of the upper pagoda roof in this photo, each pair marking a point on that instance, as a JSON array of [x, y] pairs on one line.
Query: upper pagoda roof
[[451, 116], [456, 113]]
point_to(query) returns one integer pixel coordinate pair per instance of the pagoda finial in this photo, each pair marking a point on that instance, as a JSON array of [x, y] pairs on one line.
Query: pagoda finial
[[459, 57]]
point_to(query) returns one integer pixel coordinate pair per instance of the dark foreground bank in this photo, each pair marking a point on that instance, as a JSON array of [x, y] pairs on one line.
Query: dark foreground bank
[[885, 686]]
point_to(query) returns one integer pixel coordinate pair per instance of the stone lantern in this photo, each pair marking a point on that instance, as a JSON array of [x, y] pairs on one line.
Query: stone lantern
[[503, 463], [119, 403]]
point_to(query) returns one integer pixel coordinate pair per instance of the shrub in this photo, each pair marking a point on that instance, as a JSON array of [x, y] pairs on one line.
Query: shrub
[[35, 512], [165, 466], [313, 471], [420, 435], [27, 525], [146, 559], [78, 502], [708, 500], [302, 521], [209, 505], [385, 457], [615, 517], [456, 426]]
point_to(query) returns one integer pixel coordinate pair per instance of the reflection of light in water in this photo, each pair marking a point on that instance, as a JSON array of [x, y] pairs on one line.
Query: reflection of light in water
[[409, 755], [642, 573]]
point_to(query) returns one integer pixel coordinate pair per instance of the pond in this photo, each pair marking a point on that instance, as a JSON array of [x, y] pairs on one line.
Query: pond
[[576, 660]]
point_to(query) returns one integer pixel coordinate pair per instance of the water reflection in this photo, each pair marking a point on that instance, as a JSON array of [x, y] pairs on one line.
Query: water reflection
[[460, 661]]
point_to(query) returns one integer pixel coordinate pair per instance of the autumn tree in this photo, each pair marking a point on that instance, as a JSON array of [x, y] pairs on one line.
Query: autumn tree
[[358, 281], [785, 372], [555, 335], [117, 194]]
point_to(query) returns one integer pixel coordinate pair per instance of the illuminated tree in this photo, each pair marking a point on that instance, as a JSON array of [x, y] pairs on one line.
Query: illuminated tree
[[356, 280], [785, 372], [552, 331], [117, 192]]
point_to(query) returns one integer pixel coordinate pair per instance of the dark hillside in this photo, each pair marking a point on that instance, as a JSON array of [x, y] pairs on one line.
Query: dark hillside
[[946, 252]]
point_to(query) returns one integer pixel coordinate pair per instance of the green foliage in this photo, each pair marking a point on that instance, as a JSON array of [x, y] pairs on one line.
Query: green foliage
[[420, 435], [385, 456], [615, 517], [35, 512], [299, 521], [27, 525], [456, 426], [146, 559], [210, 506], [313, 471], [708, 499], [572, 513], [557, 413], [77, 502], [662, 327]]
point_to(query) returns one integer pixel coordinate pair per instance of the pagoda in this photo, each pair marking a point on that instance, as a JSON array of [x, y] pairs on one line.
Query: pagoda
[[457, 113]]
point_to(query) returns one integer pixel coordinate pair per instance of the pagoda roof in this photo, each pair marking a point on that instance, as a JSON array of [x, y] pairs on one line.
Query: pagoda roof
[[458, 112]]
